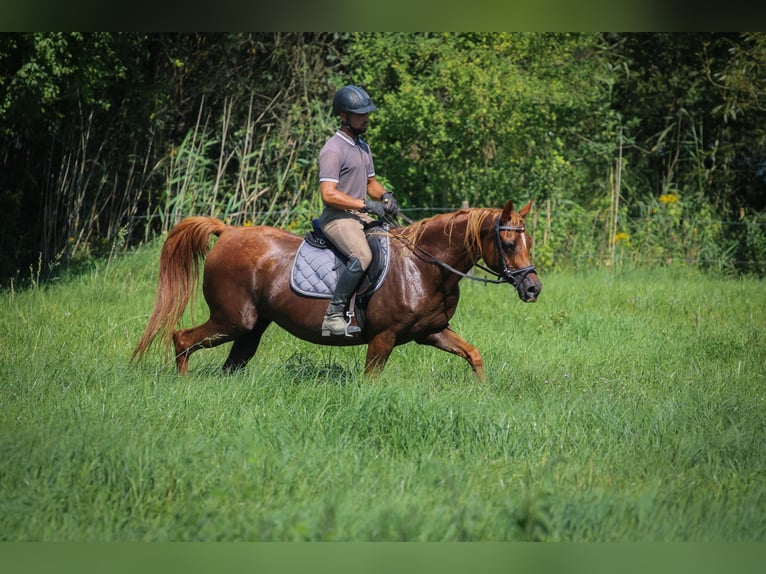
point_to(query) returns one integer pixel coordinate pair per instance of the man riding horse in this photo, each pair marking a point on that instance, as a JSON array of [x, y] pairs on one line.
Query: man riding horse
[[346, 178], [247, 271]]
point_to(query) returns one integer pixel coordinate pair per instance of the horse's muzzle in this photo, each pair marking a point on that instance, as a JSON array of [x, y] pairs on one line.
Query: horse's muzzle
[[529, 288]]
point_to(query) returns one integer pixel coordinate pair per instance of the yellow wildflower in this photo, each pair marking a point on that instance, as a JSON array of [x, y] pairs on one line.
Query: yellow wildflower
[[669, 198]]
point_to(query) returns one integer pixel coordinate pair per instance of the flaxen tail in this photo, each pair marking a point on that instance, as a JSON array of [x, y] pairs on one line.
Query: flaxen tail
[[183, 252]]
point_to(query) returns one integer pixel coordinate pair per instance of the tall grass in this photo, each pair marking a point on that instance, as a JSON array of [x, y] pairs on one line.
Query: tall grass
[[259, 172], [623, 406]]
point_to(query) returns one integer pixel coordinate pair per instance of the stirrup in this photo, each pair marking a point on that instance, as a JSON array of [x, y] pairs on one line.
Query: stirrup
[[349, 330]]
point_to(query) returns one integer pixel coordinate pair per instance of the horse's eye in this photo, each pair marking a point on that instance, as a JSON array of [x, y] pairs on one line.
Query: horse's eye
[[509, 247]]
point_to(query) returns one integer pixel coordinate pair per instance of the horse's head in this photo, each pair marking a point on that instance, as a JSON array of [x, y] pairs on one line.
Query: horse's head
[[509, 256]]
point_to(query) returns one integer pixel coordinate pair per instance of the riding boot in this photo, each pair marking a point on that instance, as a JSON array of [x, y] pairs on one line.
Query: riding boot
[[334, 322]]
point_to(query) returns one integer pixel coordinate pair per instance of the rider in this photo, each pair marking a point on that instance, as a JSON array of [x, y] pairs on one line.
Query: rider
[[346, 178]]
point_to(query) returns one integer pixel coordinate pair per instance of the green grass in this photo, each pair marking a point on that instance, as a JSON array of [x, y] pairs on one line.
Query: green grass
[[623, 406]]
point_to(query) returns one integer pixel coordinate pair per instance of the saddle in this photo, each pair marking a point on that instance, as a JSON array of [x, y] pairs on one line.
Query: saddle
[[318, 264]]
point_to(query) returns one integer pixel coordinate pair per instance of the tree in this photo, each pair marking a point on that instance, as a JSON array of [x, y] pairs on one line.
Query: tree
[[740, 80], [479, 117]]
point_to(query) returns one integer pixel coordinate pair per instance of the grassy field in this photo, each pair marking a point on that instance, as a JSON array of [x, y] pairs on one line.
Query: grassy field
[[623, 406]]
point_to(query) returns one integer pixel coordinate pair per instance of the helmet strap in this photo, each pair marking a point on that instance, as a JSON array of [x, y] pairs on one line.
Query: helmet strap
[[354, 131]]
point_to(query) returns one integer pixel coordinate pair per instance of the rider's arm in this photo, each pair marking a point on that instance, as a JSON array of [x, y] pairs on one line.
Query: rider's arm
[[374, 188], [334, 197]]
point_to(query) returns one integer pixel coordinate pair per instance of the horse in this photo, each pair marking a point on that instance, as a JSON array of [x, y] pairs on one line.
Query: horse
[[246, 285]]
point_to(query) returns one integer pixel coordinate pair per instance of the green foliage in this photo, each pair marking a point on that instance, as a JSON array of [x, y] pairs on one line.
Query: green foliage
[[676, 228], [749, 244], [249, 174], [95, 123], [569, 236], [70, 141], [740, 81], [479, 117], [44, 74], [700, 128]]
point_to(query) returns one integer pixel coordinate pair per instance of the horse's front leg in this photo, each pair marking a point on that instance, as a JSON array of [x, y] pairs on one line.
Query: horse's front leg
[[448, 340], [378, 350]]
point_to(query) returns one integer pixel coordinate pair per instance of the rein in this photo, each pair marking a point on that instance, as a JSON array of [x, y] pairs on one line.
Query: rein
[[512, 276]]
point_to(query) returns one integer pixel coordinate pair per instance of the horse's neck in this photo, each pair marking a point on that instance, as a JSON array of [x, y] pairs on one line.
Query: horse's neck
[[446, 238]]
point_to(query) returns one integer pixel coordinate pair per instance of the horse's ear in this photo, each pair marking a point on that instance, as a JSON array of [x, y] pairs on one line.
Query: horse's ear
[[525, 210], [507, 210]]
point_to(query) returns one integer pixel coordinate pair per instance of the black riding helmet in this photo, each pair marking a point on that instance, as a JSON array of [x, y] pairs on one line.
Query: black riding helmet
[[352, 99]]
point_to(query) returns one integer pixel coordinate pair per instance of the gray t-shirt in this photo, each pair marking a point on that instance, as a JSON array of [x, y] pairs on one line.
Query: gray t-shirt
[[348, 163]]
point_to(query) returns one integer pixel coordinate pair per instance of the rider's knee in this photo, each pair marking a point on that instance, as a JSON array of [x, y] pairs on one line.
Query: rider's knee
[[363, 257]]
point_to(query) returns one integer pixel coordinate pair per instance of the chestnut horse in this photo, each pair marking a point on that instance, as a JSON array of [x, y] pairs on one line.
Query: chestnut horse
[[246, 284]]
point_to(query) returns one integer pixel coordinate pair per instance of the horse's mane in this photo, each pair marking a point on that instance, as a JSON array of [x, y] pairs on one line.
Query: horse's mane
[[447, 221]]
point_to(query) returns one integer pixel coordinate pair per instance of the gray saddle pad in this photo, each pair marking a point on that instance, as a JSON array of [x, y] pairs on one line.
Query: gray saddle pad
[[316, 270]]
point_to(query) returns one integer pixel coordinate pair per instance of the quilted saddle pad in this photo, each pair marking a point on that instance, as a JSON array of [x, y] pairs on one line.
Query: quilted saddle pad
[[316, 270]]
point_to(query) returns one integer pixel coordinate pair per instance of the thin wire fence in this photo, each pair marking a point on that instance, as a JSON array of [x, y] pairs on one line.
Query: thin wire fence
[[298, 220], [586, 247]]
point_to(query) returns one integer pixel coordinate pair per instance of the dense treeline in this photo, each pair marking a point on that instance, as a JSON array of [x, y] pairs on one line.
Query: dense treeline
[[640, 147]]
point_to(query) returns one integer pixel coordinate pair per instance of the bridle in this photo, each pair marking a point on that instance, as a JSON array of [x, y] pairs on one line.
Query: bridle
[[513, 276]]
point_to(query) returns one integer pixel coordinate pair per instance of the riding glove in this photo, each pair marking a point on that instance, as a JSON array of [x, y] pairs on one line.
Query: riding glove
[[389, 203], [375, 207]]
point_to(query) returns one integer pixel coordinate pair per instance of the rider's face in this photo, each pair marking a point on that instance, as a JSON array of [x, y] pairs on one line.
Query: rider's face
[[358, 122]]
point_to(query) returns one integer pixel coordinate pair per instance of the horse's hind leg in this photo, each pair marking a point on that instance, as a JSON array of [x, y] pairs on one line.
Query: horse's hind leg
[[245, 346], [209, 334], [448, 340]]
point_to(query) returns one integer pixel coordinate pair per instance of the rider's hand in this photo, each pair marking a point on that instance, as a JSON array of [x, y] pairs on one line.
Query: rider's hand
[[389, 203], [375, 207]]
